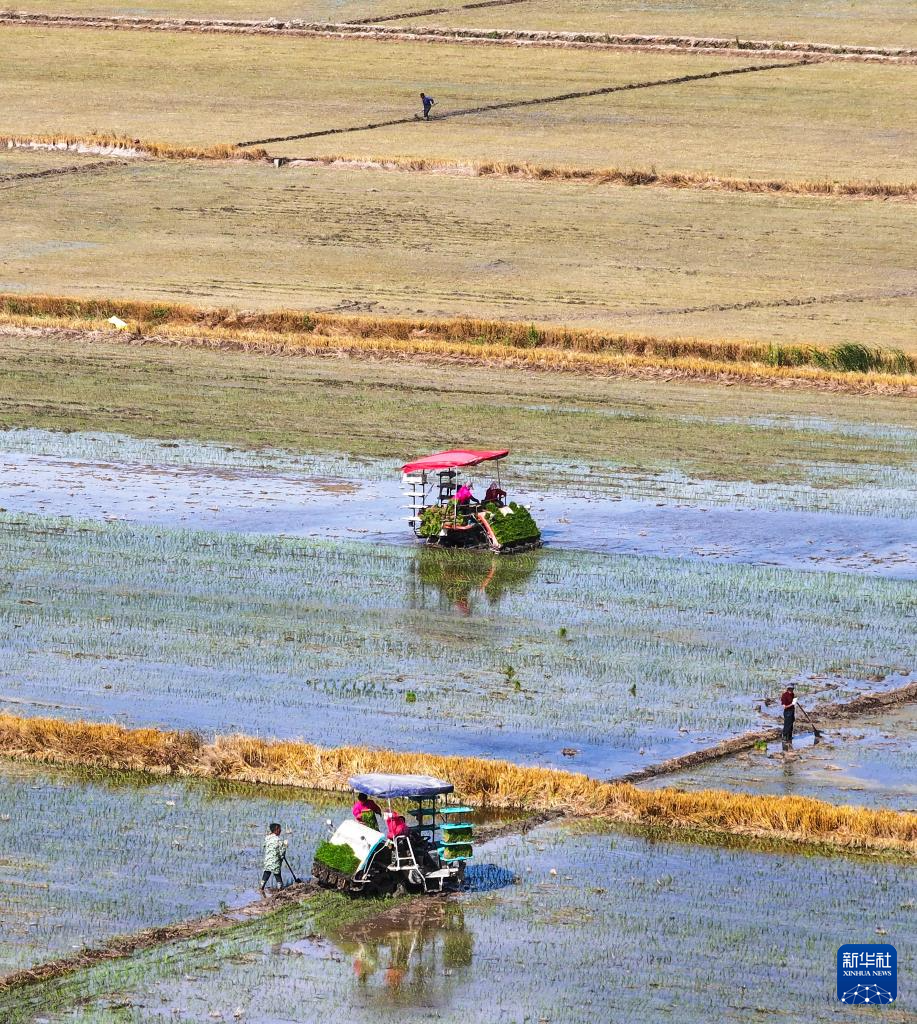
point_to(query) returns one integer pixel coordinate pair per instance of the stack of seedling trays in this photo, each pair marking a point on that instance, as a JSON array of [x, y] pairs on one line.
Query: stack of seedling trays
[[455, 834]]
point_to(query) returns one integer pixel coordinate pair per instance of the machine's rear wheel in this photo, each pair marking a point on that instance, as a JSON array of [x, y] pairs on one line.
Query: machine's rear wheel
[[411, 881], [330, 878]]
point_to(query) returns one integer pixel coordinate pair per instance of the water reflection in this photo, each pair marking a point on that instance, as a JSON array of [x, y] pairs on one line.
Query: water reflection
[[487, 877], [412, 955], [467, 580]]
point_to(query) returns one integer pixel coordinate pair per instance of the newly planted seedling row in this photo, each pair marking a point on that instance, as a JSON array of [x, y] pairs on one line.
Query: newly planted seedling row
[[625, 659]]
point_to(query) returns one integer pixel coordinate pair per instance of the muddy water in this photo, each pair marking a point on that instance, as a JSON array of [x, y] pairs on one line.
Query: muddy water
[[71, 843], [212, 488], [596, 927], [872, 762]]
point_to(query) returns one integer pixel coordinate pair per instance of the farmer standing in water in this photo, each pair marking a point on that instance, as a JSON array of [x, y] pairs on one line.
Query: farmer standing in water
[[788, 700], [275, 849], [427, 102]]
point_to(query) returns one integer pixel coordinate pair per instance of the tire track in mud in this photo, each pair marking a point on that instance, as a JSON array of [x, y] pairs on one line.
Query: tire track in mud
[[52, 172], [539, 101], [821, 714], [805, 300]]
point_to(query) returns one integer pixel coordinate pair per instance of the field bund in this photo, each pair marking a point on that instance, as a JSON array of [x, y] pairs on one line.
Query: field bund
[[672, 267], [491, 783], [354, 241]]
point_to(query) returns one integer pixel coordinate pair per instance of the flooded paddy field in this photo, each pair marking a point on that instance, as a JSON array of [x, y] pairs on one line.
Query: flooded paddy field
[[872, 762], [626, 660], [646, 931], [858, 525], [655, 441], [85, 856]]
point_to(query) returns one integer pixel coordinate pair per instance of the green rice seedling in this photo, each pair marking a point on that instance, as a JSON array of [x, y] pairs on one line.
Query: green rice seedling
[[673, 925], [89, 854], [337, 856], [457, 850], [512, 524], [204, 647]]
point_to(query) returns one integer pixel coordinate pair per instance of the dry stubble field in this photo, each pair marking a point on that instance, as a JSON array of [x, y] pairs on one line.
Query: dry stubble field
[[195, 88], [248, 10], [397, 243], [824, 121], [859, 22]]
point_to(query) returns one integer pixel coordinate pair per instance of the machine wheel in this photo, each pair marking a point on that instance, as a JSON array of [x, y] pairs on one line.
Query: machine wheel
[[329, 878], [384, 885], [412, 882]]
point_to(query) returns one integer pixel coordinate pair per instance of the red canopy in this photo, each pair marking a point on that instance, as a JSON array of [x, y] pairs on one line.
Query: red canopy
[[452, 459]]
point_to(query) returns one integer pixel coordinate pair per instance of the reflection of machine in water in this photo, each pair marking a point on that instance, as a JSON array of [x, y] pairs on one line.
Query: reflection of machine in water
[[462, 579], [411, 955]]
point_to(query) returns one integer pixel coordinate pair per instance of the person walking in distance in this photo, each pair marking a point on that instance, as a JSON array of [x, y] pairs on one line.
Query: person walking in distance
[[788, 700], [427, 102], [274, 850]]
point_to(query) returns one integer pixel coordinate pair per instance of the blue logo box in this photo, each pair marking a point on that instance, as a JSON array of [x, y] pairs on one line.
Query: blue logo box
[[867, 973]]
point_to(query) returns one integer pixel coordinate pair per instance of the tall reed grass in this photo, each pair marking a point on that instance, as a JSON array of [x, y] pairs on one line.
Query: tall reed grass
[[629, 177], [463, 338], [125, 144], [492, 783], [620, 176]]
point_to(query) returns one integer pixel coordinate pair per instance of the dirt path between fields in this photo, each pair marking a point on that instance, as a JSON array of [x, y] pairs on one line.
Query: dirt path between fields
[[430, 11], [539, 101], [121, 947], [545, 360], [52, 172], [374, 29], [823, 715]]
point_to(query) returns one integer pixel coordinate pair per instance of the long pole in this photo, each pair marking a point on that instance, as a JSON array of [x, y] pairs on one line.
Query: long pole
[[296, 877], [808, 719]]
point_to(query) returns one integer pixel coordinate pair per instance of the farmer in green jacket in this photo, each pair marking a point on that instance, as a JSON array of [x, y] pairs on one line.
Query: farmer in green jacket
[[274, 850]]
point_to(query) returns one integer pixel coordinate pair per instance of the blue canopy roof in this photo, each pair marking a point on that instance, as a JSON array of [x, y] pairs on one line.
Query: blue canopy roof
[[388, 786]]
